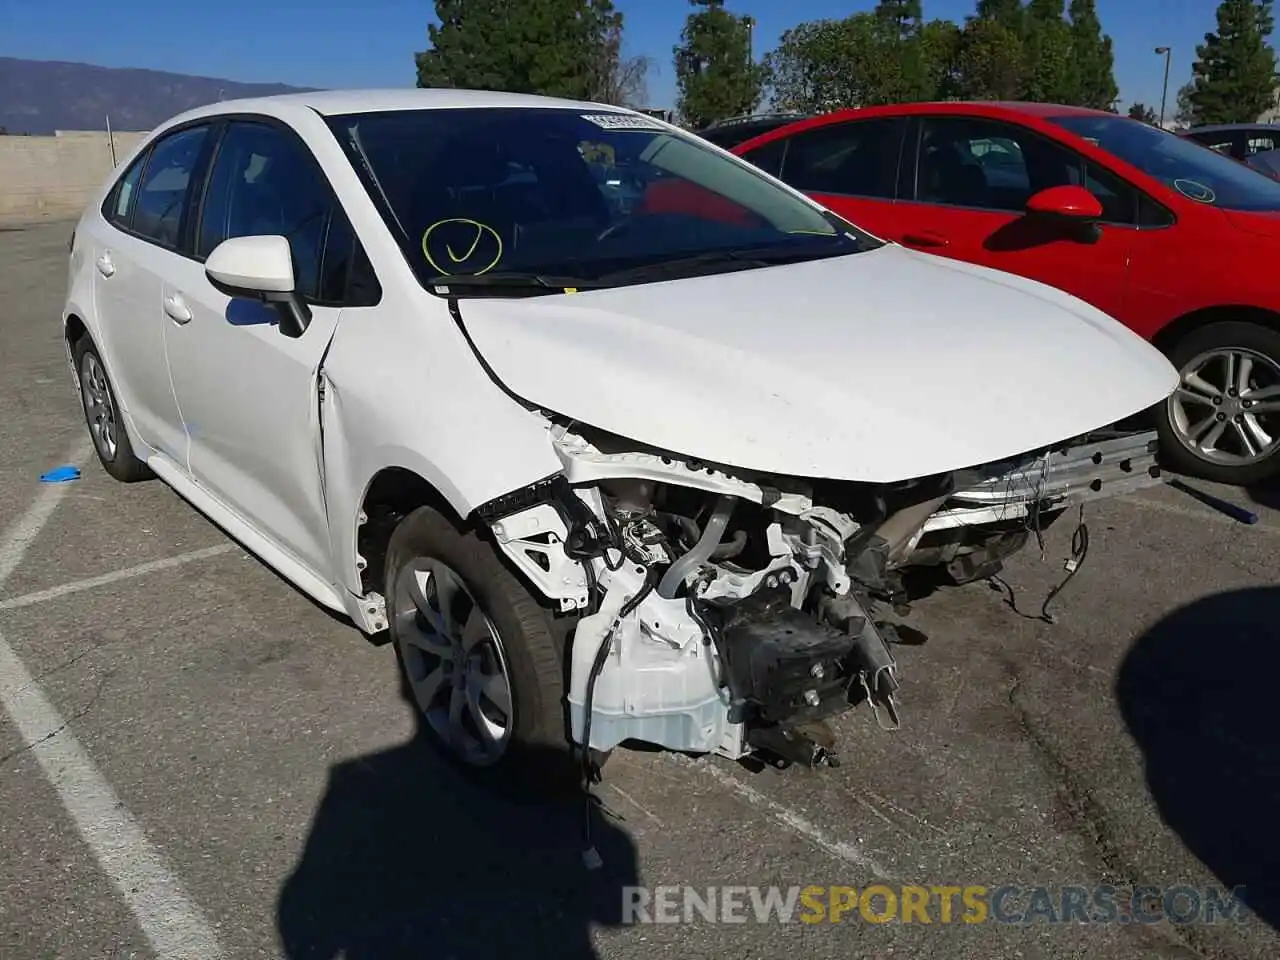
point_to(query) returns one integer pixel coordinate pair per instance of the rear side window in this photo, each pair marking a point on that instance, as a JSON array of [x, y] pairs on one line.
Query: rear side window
[[119, 206], [162, 194], [768, 157], [858, 158]]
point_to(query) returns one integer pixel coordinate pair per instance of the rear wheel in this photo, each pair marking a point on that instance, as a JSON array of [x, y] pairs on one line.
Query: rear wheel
[[102, 416], [1223, 421], [481, 658]]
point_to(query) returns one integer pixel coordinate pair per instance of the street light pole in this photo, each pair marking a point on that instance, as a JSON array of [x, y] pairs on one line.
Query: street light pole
[[1164, 93]]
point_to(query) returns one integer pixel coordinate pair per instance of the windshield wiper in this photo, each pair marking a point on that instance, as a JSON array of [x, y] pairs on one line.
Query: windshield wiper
[[747, 259], [512, 281]]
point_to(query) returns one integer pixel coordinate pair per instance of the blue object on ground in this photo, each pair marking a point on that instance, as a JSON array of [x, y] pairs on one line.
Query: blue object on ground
[[61, 475], [1223, 506]]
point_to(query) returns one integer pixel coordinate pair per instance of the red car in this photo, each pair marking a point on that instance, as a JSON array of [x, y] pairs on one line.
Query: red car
[[1170, 237]]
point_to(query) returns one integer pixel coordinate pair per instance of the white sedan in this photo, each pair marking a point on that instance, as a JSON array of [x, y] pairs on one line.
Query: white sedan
[[613, 435]]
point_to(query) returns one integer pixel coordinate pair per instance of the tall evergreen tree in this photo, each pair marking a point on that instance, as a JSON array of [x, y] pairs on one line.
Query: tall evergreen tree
[[899, 24], [992, 63], [1092, 59], [551, 47], [716, 75], [1234, 76], [1185, 111], [1008, 13], [1048, 50]]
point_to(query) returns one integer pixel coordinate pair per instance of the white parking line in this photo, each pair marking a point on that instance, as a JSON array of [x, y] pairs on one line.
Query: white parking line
[[840, 849], [141, 570], [171, 922]]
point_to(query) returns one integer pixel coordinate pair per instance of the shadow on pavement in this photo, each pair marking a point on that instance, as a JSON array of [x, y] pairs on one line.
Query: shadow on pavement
[[1265, 495], [1198, 693], [408, 859]]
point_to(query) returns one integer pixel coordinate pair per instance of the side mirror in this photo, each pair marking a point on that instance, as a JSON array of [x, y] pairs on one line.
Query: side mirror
[[1072, 204], [260, 267]]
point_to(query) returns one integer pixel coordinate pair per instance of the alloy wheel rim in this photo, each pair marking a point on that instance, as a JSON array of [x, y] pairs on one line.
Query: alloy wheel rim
[[1226, 409], [98, 406], [454, 661]]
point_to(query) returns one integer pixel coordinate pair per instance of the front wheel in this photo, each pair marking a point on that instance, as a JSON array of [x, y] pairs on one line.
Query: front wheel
[[1223, 421], [480, 656]]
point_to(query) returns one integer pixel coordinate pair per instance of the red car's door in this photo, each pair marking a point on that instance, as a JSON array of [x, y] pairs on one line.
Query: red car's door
[[969, 179], [850, 167]]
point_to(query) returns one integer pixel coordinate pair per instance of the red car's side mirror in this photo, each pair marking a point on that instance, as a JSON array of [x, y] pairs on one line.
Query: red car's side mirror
[[1072, 203]]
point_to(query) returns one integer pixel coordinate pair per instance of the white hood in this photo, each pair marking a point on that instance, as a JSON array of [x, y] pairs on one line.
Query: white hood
[[877, 367]]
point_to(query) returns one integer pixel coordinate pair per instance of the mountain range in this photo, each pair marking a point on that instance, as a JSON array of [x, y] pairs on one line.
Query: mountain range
[[41, 96]]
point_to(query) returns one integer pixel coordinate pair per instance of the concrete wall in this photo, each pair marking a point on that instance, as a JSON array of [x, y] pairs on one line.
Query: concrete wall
[[54, 177]]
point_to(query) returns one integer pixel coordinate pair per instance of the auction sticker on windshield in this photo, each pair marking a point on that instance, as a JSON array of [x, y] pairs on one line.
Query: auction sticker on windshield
[[622, 121]]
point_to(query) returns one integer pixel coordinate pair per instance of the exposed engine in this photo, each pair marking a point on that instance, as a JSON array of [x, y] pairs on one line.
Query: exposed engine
[[727, 613]]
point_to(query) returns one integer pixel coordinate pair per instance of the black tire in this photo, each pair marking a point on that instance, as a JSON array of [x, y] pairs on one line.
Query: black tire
[[538, 762], [121, 462], [1238, 335]]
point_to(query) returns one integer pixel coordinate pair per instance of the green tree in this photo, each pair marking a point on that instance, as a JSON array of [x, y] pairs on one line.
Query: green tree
[[716, 76], [618, 78], [551, 47], [822, 65], [1047, 42], [940, 44], [1140, 111], [898, 24], [991, 63], [1008, 13], [1093, 81], [1234, 72], [1185, 110]]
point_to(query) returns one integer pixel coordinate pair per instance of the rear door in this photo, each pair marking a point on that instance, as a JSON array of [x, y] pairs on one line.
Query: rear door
[[850, 167], [969, 181], [145, 215]]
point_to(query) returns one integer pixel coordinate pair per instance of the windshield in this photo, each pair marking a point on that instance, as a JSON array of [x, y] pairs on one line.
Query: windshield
[[1193, 170], [504, 193]]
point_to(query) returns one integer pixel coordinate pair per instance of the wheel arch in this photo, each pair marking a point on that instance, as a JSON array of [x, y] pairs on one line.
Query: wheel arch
[[392, 493], [73, 330], [1171, 333]]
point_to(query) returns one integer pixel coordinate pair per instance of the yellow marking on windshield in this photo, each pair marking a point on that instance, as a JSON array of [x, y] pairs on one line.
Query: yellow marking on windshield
[[482, 230]]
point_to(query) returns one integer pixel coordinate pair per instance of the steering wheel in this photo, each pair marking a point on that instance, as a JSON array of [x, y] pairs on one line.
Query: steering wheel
[[611, 231]]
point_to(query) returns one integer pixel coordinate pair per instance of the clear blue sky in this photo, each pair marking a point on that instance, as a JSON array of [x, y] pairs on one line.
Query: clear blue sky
[[342, 43]]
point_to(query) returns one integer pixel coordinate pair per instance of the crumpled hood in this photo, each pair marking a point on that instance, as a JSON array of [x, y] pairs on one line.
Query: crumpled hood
[[877, 367]]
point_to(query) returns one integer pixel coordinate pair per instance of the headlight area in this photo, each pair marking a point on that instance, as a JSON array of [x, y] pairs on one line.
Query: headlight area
[[712, 613]]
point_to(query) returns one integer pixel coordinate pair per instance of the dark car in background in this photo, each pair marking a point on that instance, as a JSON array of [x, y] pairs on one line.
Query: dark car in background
[[727, 134], [1239, 141]]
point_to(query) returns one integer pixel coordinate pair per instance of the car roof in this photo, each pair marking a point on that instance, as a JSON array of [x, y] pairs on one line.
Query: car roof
[[337, 102], [980, 107], [753, 118]]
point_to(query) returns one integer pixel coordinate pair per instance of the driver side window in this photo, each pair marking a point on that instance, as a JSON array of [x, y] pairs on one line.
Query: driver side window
[[985, 164]]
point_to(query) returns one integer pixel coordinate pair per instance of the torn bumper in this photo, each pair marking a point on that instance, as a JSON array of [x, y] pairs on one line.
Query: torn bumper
[[1081, 471]]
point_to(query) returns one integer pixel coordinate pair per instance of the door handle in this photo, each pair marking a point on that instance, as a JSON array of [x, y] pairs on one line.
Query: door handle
[[925, 240], [105, 266], [177, 309]]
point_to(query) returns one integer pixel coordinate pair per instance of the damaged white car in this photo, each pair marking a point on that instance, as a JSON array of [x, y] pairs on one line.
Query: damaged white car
[[614, 436]]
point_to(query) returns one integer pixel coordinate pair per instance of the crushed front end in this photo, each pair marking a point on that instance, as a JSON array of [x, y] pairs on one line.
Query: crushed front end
[[714, 611]]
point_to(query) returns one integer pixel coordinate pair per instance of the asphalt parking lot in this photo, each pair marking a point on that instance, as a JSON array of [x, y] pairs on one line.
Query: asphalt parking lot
[[196, 762]]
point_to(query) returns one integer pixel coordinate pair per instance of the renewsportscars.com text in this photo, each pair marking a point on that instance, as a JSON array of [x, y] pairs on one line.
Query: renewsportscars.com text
[[934, 904]]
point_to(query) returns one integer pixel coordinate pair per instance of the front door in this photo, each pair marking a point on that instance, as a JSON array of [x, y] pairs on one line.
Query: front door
[[249, 394], [972, 180]]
